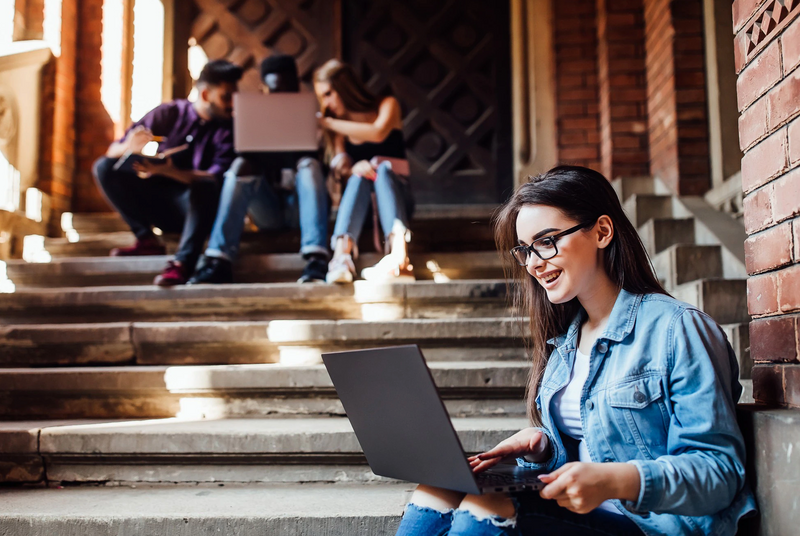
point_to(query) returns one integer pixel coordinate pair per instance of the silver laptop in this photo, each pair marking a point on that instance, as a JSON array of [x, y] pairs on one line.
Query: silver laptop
[[403, 427], [276, 122]]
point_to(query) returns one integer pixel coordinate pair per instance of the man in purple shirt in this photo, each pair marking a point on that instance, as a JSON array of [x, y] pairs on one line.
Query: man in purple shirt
[[181, 193]]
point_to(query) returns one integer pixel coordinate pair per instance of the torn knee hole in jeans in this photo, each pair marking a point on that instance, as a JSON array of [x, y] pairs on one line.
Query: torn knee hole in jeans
[[495, 520], [445, 512]]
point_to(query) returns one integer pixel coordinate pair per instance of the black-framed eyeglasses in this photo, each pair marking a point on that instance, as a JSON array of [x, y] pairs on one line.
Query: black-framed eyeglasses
[[544, 248]]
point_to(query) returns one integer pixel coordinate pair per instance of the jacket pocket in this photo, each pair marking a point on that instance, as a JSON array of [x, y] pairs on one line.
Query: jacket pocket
[[639, 410]]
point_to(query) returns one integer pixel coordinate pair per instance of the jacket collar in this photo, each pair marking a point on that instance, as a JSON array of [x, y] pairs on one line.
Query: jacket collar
[[620, 323]]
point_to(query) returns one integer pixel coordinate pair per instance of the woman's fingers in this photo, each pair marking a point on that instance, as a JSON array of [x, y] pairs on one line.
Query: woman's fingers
[[485, 464]]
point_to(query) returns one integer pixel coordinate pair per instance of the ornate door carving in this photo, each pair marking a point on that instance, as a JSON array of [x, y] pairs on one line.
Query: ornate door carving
[[448, 63], [247, 31]]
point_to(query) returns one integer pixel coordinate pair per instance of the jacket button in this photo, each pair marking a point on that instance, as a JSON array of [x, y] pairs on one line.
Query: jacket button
[[639, 397], [589, 404], [607, 460], [602, 347]]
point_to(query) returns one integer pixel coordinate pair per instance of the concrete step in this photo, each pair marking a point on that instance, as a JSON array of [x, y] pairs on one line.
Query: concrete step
[[276, 267], [242, 342], [642, 207], [628, 186], [260, 301], [93, 222], [439, 228], [109, 222], [470, 389], [205, 510], [219, 450], [725, 300], [658, 234], [771, 436], [683, 263]]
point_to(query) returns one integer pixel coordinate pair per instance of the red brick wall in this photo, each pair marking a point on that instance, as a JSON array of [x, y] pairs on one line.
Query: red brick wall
[[624, 148], [768, 90], [94, 129], [678, 124], [577, 110]]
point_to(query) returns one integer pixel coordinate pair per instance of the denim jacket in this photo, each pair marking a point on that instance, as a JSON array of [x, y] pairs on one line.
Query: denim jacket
[[661, 394]]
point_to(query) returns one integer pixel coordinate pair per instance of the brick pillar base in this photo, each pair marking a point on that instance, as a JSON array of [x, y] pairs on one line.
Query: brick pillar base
[[768, 89]]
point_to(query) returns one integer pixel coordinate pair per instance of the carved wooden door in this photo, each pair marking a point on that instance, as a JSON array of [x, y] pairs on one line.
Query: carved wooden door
[[247, 31], [448, 63]]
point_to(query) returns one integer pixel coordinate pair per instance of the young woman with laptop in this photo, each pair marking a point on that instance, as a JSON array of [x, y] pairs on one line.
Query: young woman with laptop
[[632, 394], [364, 143]]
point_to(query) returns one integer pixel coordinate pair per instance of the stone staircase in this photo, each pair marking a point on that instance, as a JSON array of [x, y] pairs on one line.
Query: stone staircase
[[129, 409]]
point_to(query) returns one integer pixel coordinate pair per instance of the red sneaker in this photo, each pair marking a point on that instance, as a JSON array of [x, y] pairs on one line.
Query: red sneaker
[[148, 246], [173, 274]]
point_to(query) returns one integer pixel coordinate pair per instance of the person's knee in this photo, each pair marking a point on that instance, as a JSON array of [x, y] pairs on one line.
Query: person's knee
[[309, 174], [489, 504], [311, 164], [242, 167], [436, 498], [102, 169]]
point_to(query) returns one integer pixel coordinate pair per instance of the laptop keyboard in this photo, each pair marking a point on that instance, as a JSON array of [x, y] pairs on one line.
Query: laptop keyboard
[[498, 479]]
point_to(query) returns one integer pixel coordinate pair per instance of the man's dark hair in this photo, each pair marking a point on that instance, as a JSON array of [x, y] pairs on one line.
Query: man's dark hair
[[219, 72], [284, 65]]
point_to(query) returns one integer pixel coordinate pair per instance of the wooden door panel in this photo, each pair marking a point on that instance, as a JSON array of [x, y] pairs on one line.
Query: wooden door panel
[[448, 63], [247, 31]]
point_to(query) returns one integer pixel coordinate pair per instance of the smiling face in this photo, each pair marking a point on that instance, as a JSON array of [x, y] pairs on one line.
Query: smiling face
[[574, 271]]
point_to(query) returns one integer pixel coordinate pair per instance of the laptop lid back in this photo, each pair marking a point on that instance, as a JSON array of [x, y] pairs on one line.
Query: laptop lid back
[[275, 122], [399, 419]]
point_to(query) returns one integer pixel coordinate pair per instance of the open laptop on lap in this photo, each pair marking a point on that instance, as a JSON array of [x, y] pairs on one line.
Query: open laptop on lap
[[403, 426], [276, 122]]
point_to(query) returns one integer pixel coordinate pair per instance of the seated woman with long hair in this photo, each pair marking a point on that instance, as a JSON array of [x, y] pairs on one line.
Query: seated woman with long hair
[[364, 141], [632, 394]]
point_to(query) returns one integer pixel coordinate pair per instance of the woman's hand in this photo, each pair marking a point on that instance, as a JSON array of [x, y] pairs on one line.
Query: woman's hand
[[529, 442], [581, 487], [364, 169]]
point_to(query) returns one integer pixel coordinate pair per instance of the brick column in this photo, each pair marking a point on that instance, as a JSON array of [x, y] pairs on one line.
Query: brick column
[[94, 129], [677, 116], [28, 19], [577, 120], [622, 88], [767, 46]]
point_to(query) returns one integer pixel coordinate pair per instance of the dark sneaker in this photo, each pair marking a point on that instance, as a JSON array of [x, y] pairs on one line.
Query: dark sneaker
[[148, 246], [213, 270], [314, 272], [173, 274]]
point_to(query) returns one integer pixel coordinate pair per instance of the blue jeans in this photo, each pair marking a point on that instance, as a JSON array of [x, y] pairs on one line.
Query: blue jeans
[[161, 202], [535, 516], [271, 209], [394, 204]]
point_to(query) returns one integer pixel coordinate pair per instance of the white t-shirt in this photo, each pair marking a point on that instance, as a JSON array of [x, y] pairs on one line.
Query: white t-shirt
[[567, 412]]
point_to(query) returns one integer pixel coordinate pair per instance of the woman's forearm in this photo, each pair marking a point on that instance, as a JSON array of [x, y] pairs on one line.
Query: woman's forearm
[[365, 132]]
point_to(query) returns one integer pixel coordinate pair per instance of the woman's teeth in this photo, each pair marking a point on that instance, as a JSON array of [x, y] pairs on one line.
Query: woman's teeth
[[552, 277]]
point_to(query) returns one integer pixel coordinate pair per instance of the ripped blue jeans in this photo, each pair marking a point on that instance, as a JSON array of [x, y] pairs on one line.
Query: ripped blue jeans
[[419, 520], [534, 516]]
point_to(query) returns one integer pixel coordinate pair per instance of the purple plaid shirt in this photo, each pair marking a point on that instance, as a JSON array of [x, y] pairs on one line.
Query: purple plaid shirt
[[210, 142]]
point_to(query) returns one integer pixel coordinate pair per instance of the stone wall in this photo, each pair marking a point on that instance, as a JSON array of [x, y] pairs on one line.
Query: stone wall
[[767, 46]]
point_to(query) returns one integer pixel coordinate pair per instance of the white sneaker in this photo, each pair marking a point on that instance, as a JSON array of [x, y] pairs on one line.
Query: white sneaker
[[388, 271], [341, 270]]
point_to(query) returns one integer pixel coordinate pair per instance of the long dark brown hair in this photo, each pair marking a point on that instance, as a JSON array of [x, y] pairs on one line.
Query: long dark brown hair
[[582, 195], [354, 94]]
